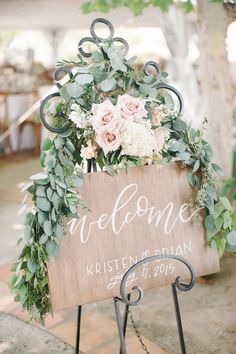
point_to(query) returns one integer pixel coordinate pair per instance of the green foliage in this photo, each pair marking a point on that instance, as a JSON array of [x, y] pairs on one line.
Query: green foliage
[[45, 227], [137, 6]]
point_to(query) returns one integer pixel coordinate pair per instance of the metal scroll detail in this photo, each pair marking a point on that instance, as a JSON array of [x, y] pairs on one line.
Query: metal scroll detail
[[95, 39], [158, 84], [139, 290], [57, 78]]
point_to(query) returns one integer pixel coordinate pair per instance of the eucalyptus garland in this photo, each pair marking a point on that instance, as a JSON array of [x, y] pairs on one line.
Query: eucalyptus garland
[[118, 116]]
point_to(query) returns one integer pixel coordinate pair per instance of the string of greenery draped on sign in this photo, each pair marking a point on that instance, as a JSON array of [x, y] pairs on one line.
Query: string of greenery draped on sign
[[118, 116]]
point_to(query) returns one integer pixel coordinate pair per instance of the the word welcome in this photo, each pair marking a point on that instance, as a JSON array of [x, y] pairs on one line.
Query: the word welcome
[[141, 210]]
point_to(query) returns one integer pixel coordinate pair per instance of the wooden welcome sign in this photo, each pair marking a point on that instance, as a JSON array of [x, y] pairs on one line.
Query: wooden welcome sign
[[133, 215]]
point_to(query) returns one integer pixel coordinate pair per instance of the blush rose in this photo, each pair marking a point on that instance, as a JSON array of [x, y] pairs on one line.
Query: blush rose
[[131, 108], [105, 117], [108, 140]]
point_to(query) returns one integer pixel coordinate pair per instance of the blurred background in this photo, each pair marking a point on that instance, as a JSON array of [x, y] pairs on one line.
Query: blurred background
[[194, 41]]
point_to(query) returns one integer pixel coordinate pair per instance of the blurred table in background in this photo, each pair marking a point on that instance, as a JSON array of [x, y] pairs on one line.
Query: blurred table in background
[[19, 90], [12, 106]]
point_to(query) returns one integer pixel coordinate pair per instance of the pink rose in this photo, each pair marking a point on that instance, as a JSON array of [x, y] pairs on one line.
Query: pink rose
[[108, 140], [131, 108], [105, 116]]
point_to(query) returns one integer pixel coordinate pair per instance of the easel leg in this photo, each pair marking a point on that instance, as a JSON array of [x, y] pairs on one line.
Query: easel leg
[[125, 319], [178, 319], [78, 330], [119, 324]]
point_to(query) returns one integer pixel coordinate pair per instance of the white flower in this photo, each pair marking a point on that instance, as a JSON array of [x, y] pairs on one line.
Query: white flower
[[89, 151], [79, 117], [162, 134], [75, 107], [137, 140]]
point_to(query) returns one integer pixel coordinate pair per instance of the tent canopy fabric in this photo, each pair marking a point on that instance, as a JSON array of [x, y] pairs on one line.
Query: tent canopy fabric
[[61, 14]]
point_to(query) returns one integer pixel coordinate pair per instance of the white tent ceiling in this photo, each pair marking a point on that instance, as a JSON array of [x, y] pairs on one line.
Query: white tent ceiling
[[63, 14]]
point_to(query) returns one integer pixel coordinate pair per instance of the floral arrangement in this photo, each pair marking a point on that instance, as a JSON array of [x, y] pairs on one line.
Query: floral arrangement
[[115, 116]]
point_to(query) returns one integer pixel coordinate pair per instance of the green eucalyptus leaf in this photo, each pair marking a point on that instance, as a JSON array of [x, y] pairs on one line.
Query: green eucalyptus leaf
[[73, 208], [84, 79], [218, 208], [219, 223], [56, 200], [174, 145], [97, 56], [49, 193], [70, 146], [231, 241], [41, 217], [214, 245], [53, 215], [66, 133], [43, 239], [74, 89], [32, 267], [59, 232], [211, 191], [52, 181], [46, 144], [145, 89], [182, 147], [210, 204], [210, 224], [220, 243], [60, 191], [196, 166], [39, 176], [99, 75], [226, 203], [48, 228], [18, 280], [191, 179], [43, 204], [184, 156], [42, 159], [216, 167], [29, 219], [58, 142], [64, 94], [29, 233], [50, 161], [179, 125], [108, 85], [52, 248], [60, 183], [59, 171], [40, 191]]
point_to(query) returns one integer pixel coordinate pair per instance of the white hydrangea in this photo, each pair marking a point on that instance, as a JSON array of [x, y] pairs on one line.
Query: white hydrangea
[[79, 117], [137, 140]]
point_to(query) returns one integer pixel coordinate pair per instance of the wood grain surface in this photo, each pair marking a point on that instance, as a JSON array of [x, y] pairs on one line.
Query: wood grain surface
[[132, 216]]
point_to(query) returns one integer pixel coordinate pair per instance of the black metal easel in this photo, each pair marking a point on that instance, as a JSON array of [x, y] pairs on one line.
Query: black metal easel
[[158, 84], [126, 299]]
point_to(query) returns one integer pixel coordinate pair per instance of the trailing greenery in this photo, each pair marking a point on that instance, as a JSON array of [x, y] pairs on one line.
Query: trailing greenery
[[53, 193], [137, 6], [109, 79]]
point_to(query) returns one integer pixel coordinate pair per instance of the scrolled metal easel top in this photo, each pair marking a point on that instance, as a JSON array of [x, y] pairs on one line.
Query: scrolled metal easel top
[[158, 84], [139, 290]]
